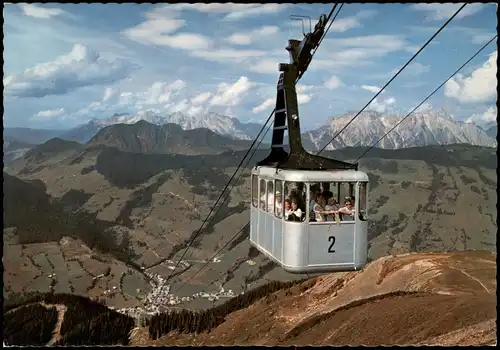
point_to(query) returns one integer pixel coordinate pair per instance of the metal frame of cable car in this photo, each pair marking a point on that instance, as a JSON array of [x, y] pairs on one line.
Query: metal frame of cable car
[[286, 115], [303, 247]]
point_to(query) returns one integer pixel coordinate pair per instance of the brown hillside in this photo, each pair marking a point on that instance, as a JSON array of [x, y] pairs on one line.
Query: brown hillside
[[410, 299]]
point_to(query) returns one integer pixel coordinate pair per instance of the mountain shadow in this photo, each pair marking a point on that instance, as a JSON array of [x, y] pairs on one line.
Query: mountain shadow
[[40, 218]]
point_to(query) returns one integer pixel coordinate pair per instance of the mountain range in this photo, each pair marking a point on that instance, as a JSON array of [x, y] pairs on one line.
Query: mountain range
[[420, 129], [144, 137], [222, 125]]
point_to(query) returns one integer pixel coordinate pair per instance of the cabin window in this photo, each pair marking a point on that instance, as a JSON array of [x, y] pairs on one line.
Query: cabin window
[[262, 195], [255, 190], [328, 201], [363, 201], [270, 197], [345, 189], [278, 195], [294, 205]]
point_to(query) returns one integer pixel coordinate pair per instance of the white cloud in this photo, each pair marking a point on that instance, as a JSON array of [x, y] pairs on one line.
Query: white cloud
[[440, 12], [163, 22], [413, 49], [231, 95], [413, 69], [490, 115], [343, 24], [126, 98], [149, 110], [386, 105], [167, 97], [177, 85], [85, 114], [49, 114], [371, 88], [159, 28], [255, 10], [333, 82], [156, 32], [108, 94], [81, 67], [158, 93], [37, 11], [162, 25], [195, 110], [355, 51], [234, 11], [246, 38], [416, 69], [265, 105], [423, 108], [478, 87], [265, 66], [302, 96], [178, 107], [227, 55], [201, 98], [184, 106], [481, 39]]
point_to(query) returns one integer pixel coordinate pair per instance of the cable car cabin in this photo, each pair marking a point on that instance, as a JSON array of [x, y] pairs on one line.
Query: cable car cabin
[[285, 222], [317, 241]]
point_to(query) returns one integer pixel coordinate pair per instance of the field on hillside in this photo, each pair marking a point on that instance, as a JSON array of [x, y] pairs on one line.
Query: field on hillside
[[416, 204], [68, 266]]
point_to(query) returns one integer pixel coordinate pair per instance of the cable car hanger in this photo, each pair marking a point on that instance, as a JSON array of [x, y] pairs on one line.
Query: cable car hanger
[[286, 115]]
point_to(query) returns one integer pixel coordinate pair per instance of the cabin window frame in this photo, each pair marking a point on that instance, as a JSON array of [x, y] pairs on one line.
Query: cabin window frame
[[339, 189], [286, 195], [255, 191], [362, 200], [270, 210], [262, 181], [281, 189]]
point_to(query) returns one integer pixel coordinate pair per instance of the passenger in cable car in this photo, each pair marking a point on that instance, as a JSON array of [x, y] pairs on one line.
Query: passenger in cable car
[[287, 208], [318, 212], [262, 204], [347, 211], [298, 199], [295, 214], [331, 207], [312, 217], [318, 200]]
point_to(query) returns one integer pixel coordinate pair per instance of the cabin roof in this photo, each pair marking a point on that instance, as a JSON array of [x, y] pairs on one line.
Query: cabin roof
[[311, 175]]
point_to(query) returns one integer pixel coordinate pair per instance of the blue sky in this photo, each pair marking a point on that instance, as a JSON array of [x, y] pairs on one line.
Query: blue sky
[[67, 64]]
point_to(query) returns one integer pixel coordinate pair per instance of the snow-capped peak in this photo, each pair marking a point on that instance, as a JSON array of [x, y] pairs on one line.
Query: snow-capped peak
[[428, 127], [217, 123]]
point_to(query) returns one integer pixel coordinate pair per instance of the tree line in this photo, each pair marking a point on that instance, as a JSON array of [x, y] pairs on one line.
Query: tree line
[[29, 325], [86, 322]]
